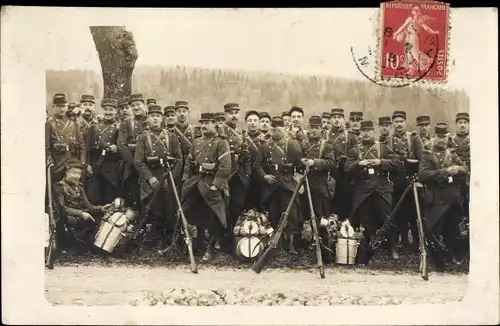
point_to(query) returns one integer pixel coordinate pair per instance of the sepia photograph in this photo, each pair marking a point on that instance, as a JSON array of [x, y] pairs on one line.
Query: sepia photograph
[[256, 158]]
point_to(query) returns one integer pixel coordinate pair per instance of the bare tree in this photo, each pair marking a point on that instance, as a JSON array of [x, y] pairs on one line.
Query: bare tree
[[117, 54]]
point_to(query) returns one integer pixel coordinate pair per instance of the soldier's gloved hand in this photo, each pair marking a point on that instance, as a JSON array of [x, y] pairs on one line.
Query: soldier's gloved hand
[[87, 216], [89, 169], [153, 182], [113, 148], [375, 162], [270, 179]]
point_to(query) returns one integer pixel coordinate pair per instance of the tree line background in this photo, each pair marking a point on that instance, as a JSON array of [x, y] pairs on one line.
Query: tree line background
[[207, 90]]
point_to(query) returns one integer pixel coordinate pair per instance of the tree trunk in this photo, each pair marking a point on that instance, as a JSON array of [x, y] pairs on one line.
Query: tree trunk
[[117, 54]]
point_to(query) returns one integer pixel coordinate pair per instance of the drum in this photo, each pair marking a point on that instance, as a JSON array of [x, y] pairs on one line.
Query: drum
[[249, 247]]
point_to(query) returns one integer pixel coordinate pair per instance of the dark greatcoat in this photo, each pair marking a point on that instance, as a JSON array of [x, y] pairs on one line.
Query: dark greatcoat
[[63, 141], [441, 195], [197, 196], [318, 175], [104, 185], [130, 128], [342, 142], [367, 185], [252, 196]]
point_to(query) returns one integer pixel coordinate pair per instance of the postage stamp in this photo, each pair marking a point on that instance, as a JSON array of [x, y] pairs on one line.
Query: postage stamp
[[414, 40]]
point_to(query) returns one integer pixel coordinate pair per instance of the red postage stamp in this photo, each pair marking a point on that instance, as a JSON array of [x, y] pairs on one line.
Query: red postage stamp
[[414, 40]]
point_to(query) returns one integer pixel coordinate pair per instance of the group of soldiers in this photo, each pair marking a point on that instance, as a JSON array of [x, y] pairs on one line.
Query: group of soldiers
[[223, 168]]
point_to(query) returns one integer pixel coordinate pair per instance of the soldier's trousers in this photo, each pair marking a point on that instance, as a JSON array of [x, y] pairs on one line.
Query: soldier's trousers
[[447, 227], [406, 217], [100, 191], [321, 205], [342, 199], [370, 215], [236, 201], [162, 215], [131, 191], [277, 204], [253, 194]]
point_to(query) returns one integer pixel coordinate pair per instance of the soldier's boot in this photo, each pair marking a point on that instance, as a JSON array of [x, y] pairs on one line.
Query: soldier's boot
[[210, 252], [291, 245]]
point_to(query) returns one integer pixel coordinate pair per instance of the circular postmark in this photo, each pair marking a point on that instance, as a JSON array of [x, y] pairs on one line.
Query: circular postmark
[[405, 66]]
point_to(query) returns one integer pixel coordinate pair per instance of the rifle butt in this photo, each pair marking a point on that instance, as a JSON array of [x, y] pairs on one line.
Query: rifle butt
[[258, 266]]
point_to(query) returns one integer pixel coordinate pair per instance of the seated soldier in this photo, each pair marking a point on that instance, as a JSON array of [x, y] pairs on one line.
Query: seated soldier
[[74, 210]]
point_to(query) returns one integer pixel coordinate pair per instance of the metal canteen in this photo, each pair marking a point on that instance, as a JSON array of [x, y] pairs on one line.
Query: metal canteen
[[249, 247]]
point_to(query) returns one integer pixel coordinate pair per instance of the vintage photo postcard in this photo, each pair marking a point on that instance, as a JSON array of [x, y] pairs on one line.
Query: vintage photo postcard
[[250, 166]]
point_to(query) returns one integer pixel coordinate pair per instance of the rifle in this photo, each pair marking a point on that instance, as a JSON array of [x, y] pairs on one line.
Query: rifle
[[187, 236], [52, 248], [273, 242], [424, 268], [319, 257]]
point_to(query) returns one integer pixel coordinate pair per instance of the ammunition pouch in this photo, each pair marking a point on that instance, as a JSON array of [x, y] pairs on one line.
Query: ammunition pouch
[[204, 168], [76, 147], [60, 147], [153, 162], [286, 168]]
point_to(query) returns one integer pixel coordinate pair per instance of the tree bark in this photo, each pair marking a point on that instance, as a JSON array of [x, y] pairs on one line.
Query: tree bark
[[117, 54]]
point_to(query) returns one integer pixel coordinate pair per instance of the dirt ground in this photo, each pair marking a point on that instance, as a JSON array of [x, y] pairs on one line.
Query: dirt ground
[[176, 285]]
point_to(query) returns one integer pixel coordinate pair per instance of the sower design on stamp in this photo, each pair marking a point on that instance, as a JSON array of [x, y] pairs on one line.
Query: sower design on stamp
[[414, 40]]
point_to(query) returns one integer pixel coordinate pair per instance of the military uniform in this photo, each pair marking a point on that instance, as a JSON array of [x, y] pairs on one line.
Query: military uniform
[[156, 147], [63, 140], [425, 137], [254, 142], [104, 184], [342, 141], [87, 118], [282, 157], [443, 200], [71, 203], [384, 122], [372, 188], [353, 117], [186, 133], [408, 146], [127, 135], [241, 167], [321, 152], [208, 164]]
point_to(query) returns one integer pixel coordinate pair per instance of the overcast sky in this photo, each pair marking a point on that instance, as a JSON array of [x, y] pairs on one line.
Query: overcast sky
[[290, 41]]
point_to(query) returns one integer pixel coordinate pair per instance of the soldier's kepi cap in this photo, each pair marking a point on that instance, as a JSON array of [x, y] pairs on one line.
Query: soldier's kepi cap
[[296, 109], [277, 122], [74, 164], [155, 109], [151, 101], [59, 98], [338, 111], [356, 115], [423, 120], [315, 120], [220, 116], [231, 106], [264, 115], [207, 117], [169, 109], [109, 102], [367, 125], [123, 101], [462, 116], [326, 115], [441, 129], [382, 121], [181, 104], [136, 97], [252, 112], [399, 114], [87, 98], [285, 114]]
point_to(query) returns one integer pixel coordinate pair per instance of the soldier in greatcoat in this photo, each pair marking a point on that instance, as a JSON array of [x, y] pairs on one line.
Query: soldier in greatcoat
[[318, 155], [220, 120], [408, 146], [103, 156], [442, 171], [264, 124], [370, 163], [424, 130], [342, 142], [123, 109], [282, 155], [326, 124], [169, 118], [87, 104], [286, 118], [186, 133], [74, 211], [63, 138], [241, 163], [252, 197], [205, 183], [355, 118], [157, 148], [384, 127], [130, 129], [296, 129]]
